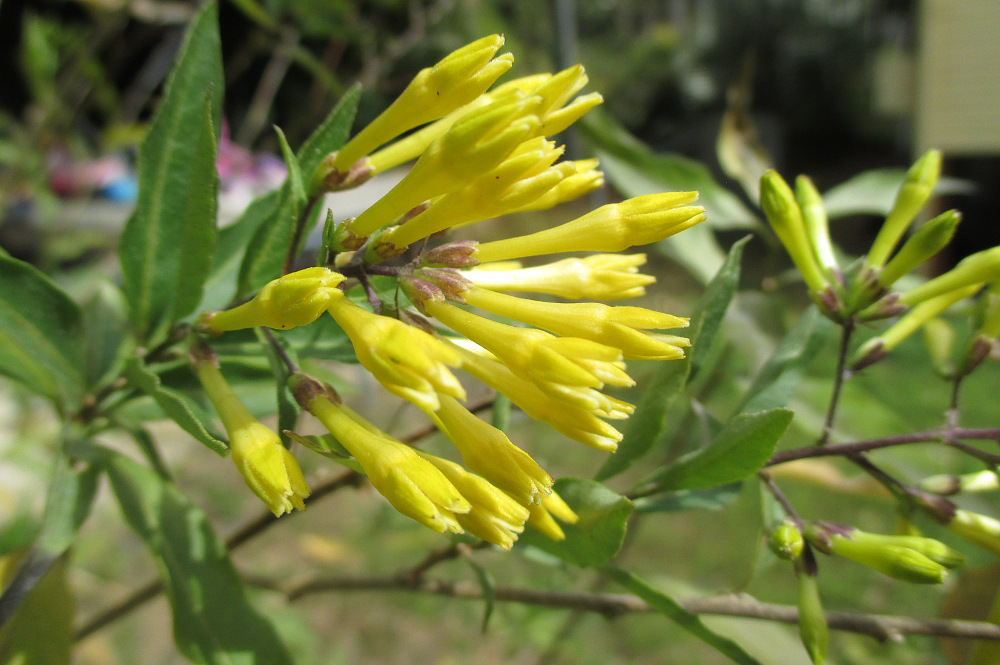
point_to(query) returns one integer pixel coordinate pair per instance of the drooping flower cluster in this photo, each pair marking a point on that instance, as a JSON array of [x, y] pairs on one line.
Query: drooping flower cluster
[[480, 154]]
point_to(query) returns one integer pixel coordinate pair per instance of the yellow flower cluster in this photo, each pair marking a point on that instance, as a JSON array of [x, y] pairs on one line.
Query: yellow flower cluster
[[479, 155]]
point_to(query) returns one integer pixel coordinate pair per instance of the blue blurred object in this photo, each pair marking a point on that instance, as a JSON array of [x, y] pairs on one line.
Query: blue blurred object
[[121, 190]]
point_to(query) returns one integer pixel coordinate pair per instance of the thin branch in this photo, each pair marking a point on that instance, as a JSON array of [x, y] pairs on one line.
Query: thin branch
[[855, 447], [882, 627], [300, 228], [779, 495], [841, 375], [290, 364]]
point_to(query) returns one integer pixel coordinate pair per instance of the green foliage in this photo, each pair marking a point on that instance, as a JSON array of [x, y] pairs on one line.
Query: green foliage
[[40, 333], [599, 533], [41, 630], [214, 623], [166, 248]]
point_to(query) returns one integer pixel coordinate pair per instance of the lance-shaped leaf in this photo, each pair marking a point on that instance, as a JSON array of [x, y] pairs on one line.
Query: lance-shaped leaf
[[214, 622], [166, 247], [737, 452], [177, 407], [273, 239], [674, 611], [41, 344]]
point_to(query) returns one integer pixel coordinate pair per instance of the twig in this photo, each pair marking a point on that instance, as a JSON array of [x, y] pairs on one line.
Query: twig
[[282, 353], [855, 447], [610, 605], [300, 228], [779, 495], [841, 375]]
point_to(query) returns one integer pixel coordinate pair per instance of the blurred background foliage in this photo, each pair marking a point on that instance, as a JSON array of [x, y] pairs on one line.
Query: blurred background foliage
[[699, 94]]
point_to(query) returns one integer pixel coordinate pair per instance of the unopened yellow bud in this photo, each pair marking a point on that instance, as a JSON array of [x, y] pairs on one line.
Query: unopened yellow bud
[[982, 530], [912, 195], [488, 452], [786, 541], [815, 222], [878, 347], [268, 468], [584, 179], [433, 93], [414, 486], [521, 178], [595, 277], [407, 361], [978, 268], [610, 228], [899, 557], [785, 218], [928, 240], [297, 299], [535, 355], [476, 143], [618, 327], [813, 629]]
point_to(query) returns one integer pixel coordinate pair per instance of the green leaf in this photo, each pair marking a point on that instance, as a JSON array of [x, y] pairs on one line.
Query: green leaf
[[67, 506], [298, 187], [176, 406], [673, 610], [775, 383], [265, 254], [167, 244], [711, 309], [737, 452], [40, 632], [214, 622], [598, 534], [714, 498], [105, 334], [40, 334], [332, 133], [646, 425]]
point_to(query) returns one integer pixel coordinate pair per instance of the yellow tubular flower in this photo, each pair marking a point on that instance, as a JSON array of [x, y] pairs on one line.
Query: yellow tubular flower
[[785, 218], [543, 514], [297, 299], [433, 93], [407, 361], [476, 143], [535, 355], [585, 179], [596, 277], [488, 452], [413, 144], [580, 423], [610, 228], [495, 517], [413, 486], [522, 177], [268, 468], [619, 327]]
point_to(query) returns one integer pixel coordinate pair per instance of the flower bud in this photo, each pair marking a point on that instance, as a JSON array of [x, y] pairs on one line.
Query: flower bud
[[976, 269], [813, 629], [610, 228], [785, 218], [297, 299], [434, 92], [913, 194], [982, 530], [786, 541], [948, 484], [899, 557], [595, 277], [815, 221], [928, 240]]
